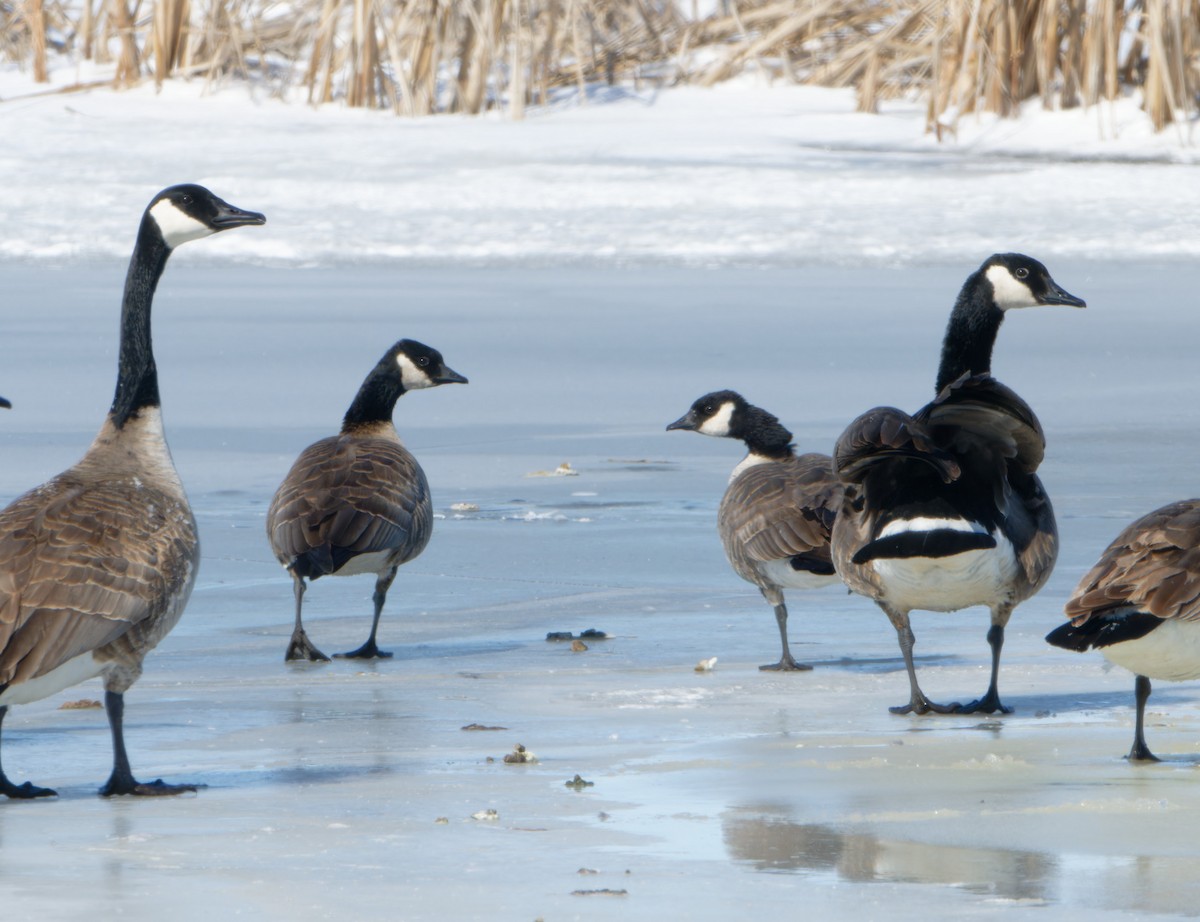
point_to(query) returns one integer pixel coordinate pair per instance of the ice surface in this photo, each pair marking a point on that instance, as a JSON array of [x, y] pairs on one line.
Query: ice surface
[[715, 795]]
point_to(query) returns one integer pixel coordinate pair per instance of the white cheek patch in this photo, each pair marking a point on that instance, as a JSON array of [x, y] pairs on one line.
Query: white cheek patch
[[717, 425], [1009, 292], [175, 226], [412, 377]]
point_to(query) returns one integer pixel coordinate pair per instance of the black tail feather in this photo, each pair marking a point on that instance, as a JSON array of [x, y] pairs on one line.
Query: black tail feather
[[314, 563], [807, 564], [1103, 631], [937, 542]]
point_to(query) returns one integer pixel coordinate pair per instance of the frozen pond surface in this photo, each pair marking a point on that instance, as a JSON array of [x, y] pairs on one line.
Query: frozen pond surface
[[713, 795]]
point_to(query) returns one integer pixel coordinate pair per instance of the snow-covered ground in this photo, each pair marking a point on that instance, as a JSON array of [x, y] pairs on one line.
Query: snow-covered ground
[[592, 270], [739, 175]]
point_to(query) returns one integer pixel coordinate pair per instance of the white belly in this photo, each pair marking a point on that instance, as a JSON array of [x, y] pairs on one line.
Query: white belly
[[781, 573], [1171, 651], [980, 577], [72, 672], [365, 563]]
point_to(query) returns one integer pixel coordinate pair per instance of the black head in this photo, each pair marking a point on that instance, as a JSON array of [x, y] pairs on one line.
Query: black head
[[420, 366], [189, 212], [1021, 281], [713, 414], [4, 403]]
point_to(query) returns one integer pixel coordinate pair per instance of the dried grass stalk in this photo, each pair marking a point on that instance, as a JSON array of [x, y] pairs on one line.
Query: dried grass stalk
[[418, 57]]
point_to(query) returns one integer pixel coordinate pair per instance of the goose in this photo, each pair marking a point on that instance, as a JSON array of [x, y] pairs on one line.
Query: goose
[[944, 509], [358, 501], [777, 512], [96, 564], [1140, 606]]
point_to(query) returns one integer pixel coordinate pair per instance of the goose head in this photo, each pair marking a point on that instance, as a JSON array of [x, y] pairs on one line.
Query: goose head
[[420, 366], [1021, 281], [189, 212], [716, 414]]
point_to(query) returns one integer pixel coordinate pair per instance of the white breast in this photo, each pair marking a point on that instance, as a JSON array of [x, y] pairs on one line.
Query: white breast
[[1171, 651]]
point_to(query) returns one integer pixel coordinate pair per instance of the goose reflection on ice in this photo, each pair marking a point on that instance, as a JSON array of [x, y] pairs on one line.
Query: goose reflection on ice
[[775, 844]]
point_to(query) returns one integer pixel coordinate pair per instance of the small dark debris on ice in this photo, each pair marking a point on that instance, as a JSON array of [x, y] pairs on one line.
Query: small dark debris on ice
[[590, 634], [519, 755], [606, 891]]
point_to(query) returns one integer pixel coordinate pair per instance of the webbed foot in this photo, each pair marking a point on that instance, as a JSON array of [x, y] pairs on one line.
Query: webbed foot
[[922, 705], [159, 788], [1141, 753], [988, 704], [786, 665], [366, 651], [301, 648], [26, 791]]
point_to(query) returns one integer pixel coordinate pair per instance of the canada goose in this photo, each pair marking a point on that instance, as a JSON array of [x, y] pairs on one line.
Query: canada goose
[[778, 509], [944, 509], [1140, 605], [97, 564], [358, 502]]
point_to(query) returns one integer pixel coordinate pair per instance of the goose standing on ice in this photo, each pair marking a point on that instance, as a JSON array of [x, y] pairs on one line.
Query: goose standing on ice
[[358, 502], [778, 509], [97, 564], [1140, 605], [944, 509]]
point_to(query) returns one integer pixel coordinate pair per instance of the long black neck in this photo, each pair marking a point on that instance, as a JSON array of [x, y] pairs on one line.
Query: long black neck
[[971, 333], [377, 397], [764, 434], [137, 375]]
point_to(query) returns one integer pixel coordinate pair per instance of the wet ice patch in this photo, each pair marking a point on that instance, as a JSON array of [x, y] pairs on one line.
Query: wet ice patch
[[991, 762], [530, 515], [641, 699]]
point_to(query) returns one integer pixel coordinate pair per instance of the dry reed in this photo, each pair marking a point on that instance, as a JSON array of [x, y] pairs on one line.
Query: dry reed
[[418, 57]]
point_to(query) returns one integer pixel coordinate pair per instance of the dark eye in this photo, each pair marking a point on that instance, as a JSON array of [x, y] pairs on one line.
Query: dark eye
[[423, 361], [1022, 273], [710, 409], [185, 199]]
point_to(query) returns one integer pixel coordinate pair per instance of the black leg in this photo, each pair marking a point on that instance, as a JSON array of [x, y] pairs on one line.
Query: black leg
[[786, 663], [1140, 751], [24, 791], [990, 702], [917, 702], [122, 781], [300, 647], [369, 650]]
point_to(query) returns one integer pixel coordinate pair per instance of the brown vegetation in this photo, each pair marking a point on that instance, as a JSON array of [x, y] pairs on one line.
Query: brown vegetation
[[425, 56]]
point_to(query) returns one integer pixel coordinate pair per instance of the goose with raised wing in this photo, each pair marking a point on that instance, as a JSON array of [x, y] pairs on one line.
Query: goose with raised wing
[[943, 509]]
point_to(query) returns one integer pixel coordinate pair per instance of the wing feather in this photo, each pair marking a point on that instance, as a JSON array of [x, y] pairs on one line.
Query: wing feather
[[980, 412], [780, 510], [1152, 566], [82, 563], [357, 495]]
